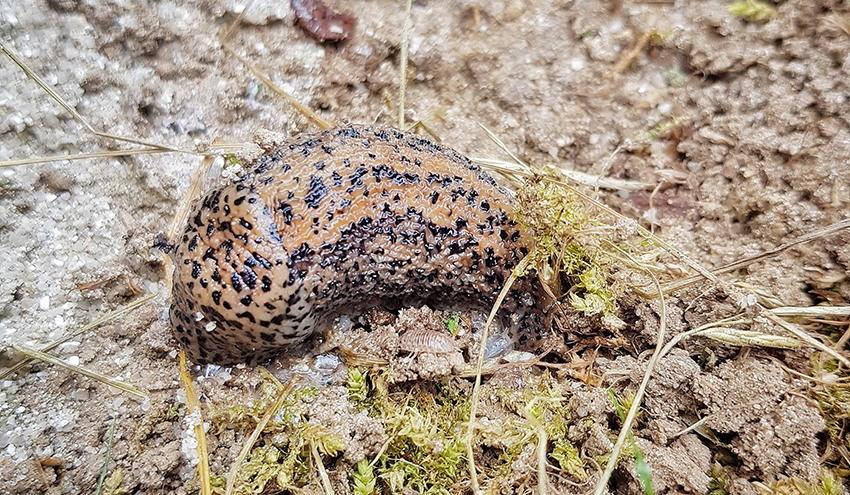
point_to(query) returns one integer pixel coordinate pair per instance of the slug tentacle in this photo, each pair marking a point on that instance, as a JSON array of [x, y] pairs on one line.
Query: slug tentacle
[[348, 218]]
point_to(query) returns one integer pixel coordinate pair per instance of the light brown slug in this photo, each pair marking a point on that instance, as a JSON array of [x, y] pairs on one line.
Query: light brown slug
[[349, 218]]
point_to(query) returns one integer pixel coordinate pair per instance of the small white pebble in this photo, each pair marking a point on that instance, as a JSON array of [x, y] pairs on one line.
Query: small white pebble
[[73, 360], [80, 394], [44, 303], [199, 316], [209, 327]]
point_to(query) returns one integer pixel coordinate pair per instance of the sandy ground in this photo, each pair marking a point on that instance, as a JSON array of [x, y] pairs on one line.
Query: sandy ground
[[758, 155]]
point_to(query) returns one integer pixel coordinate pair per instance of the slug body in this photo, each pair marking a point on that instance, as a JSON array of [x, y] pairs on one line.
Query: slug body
[[347, 219]]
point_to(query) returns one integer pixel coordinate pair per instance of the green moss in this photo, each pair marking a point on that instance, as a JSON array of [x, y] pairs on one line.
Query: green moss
[[286, 465], [569, 458], [675, 77], [425, 426], [658, 130], [753, 11], [719, 484], [829, 485], [231, 160], [566, 239], [358, 388], [363, 480], [112, 483], [451, 324]]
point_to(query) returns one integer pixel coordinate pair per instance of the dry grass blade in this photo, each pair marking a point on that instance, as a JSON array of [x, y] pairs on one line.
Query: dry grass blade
[[81, 156], [255, 435], [402, 66], [323, 474], [681, 284], [601, 486], [493, 137], [311, 115], [542, 478], [476, 389], [805, 337], [504, 167], [99, 321], [811, 311], [750, 338], [840, 22], [105, 467], [47, 358], [196, 184], [237, 21], [627, 59], [195, 405], [79, 118]]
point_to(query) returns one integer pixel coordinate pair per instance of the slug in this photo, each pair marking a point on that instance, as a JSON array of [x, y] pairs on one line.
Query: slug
[[347, 219]]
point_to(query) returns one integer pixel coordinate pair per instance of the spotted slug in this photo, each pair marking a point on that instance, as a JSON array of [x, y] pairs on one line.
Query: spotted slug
[[346, 219]]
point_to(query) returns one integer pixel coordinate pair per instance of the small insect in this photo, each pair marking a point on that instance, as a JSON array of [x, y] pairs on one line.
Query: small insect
[[345, 219], [422, 340]]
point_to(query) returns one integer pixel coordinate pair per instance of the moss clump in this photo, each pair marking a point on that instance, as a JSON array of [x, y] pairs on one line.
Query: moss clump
[[753, 11], [425, 448], [284, 454], [363, 479], [426, 451], [828, 485], [539, 407], [719, 484], [567, 242]]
